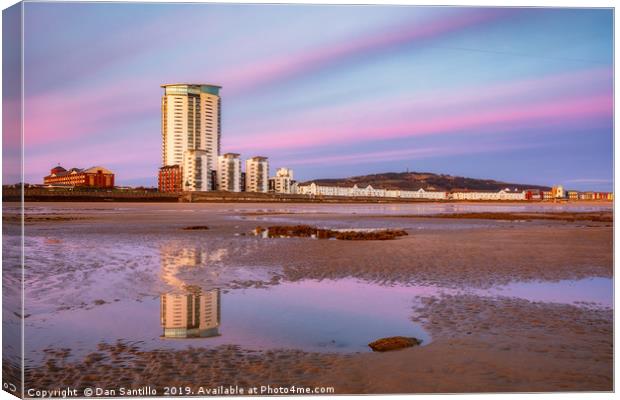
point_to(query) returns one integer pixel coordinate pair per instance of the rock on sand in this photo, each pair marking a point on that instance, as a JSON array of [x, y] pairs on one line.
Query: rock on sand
[[394, 343]]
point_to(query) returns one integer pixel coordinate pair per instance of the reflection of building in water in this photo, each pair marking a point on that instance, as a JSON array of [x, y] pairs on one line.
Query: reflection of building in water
[[190, 311], [194, 314], [175, 259]]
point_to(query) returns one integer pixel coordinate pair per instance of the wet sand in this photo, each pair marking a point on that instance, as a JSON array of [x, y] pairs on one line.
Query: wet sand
[[480, 344], [521, 216], [473, 257], [479, 347]]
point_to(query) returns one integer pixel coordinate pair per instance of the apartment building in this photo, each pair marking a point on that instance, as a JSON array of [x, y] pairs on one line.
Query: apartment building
[[190, 120], [557, 192], [313, 189], [229, 172], [170, 179], [257, 174], [503, 194], [417, 194], [283, 181]]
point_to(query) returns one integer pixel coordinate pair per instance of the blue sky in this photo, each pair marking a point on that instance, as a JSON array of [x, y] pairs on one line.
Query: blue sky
[[521, 95]]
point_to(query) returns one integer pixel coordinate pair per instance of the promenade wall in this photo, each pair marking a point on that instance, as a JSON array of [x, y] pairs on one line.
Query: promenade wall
[[40, 194], [136, 195], [76, 195]]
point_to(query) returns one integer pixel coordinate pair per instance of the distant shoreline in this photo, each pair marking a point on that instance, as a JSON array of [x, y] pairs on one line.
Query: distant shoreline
[[42, 195]]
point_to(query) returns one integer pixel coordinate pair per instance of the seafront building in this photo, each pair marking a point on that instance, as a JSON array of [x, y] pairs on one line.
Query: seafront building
[[229, 172], [313, 189], [419, 194], [283, 181], [504, 194], [170, 179], [557, 192], [96, 177], [318, 190], [257, 174], [191, 133], [596, 196]]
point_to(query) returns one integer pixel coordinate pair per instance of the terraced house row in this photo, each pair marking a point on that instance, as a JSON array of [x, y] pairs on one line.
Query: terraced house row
[[318, 190], [556, 194]]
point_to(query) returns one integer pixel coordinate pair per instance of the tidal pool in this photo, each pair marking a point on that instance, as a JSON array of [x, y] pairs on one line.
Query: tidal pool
[[321, 316], [596, 291], [318, 316]]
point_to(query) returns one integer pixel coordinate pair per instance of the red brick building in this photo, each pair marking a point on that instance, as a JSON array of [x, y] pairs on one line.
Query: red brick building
[[89, 177], [170, 179]]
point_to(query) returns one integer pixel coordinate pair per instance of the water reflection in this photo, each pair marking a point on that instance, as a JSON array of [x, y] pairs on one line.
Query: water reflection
[[194, 314], [190, 310], [177, 259]]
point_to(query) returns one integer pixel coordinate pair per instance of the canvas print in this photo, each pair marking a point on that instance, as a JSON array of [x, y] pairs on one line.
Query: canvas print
[[208, 199]]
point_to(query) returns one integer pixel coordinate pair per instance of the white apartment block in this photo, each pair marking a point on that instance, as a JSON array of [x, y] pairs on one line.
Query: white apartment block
[[503, 194], [317, 190], [229, 172], [257, 174], [423, 194], [369, 191], [294, 188], [195, 170], [191, 132], [283, 181]]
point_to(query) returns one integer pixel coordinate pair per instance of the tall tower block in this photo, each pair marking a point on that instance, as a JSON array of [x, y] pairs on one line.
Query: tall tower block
[[191, 132]]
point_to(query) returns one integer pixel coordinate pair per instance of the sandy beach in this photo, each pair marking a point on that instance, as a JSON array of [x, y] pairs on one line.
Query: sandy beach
[[480, 289]]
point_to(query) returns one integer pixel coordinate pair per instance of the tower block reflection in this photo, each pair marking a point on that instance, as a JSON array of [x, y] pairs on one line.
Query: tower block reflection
[[195, 314]]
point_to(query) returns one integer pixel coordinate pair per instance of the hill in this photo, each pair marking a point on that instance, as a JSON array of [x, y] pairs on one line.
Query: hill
[[425, 180]]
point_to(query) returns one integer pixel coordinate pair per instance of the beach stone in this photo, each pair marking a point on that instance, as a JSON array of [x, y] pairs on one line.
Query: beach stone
[[196, 228], [394, 343]]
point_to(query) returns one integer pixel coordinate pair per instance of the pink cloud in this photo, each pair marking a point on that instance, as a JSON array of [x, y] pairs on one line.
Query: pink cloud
[[52, 117], [376, 126], [521, 91], [401, 154], [439, 102], [258, 74]]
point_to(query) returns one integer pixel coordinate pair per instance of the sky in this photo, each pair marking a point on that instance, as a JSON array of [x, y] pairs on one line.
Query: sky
[[516, 94]]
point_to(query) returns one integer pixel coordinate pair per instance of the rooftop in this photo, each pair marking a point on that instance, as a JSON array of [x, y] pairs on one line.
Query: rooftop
[[91, 170], [181, 89], [190, 84]]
